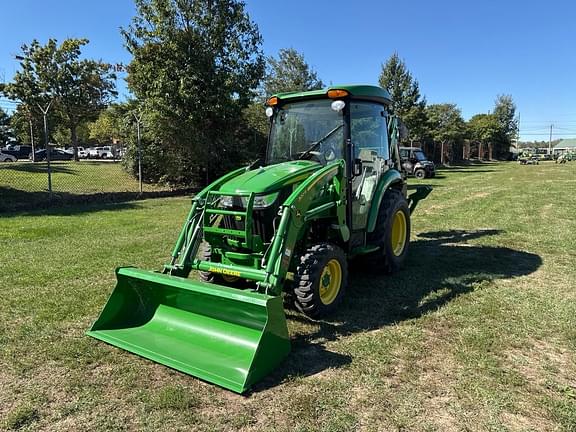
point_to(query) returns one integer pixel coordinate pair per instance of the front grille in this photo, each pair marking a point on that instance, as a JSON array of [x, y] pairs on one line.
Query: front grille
[[261, 222]]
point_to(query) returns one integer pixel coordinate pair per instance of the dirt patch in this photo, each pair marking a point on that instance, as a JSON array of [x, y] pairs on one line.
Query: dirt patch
[[543, 360], [549, 371]]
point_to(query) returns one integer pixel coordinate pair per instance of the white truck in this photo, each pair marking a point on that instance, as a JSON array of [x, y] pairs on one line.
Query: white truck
[[101, 153]]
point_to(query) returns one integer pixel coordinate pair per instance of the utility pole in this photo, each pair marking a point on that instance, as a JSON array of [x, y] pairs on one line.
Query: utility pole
[[138, 121], [518, 135], [550, 142], [44, 114], [32, 140]]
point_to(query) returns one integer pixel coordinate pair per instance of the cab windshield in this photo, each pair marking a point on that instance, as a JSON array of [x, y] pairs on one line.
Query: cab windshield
[[306, 130], [420, 156]]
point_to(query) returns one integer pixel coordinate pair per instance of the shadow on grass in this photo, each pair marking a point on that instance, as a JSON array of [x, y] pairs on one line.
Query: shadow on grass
[[441, 266], [41, 168], [465, 169], [475, 166], [15, 202]]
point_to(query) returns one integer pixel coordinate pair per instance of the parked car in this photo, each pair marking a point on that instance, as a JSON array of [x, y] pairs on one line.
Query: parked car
[[107, 152], [19, 151], [101, 153], [55, 155], [82, 153], [415, 162], [5, 157]]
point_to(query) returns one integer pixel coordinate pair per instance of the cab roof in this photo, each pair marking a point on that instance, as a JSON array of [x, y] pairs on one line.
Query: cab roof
[[357, 91]]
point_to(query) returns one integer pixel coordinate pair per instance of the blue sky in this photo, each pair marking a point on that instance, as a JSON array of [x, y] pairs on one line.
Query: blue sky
[[460, 52]]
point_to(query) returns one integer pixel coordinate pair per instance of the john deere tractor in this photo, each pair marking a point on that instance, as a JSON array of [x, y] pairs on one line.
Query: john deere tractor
[[282, 229]]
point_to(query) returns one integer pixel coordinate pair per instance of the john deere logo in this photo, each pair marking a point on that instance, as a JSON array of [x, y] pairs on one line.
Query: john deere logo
[[224, 271]]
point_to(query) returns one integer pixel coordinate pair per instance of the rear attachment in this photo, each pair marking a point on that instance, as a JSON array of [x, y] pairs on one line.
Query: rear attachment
[[226, 336]]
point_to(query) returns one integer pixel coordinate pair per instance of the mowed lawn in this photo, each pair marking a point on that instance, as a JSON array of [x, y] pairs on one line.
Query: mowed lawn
[[477, 333]]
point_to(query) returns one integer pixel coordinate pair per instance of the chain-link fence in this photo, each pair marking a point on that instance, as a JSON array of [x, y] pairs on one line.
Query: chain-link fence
[[26, 185]]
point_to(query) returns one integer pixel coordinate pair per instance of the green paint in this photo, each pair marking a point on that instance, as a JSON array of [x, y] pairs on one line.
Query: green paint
[[227, 336], [271, 178], [389, 178], [358, 91]]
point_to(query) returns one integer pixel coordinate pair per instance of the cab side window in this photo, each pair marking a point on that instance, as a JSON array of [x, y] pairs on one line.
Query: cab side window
[[368, 130]]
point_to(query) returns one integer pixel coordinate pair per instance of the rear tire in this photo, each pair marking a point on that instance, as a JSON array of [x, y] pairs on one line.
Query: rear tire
[[392, 232], [320, 280]]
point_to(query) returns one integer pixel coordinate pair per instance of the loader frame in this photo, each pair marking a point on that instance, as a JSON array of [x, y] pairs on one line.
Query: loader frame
[[321, 196]]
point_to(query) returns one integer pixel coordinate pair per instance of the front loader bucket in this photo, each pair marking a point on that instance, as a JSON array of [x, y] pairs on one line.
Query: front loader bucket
[[226, 336]]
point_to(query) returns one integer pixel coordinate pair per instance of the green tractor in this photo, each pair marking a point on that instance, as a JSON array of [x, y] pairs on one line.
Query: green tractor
[[282, 229]]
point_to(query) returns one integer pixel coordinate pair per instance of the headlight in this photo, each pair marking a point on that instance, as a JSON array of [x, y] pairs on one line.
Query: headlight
[[226, 201], [264, 201], [260, 201]]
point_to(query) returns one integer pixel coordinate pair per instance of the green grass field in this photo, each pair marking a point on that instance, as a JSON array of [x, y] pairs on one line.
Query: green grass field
[[25, 184], [477, 333]]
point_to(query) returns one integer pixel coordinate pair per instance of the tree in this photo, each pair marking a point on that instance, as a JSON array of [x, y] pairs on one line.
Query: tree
[[78, 88], [484, 129], [195, 67], [61, 134], [290, 72], [407, 102], [113, 124], [6, 131], [446, 126], [505, 113], [258, 125], [27, 127]]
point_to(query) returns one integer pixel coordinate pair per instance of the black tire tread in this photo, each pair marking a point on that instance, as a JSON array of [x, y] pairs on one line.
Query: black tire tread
[[307, 276], [205, 254], [378, 236]]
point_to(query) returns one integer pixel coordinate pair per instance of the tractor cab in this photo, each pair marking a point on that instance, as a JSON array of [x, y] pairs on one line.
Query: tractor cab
[[347, 123]]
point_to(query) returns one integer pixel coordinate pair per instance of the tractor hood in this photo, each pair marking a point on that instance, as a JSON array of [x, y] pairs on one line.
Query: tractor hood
[[269, 179]]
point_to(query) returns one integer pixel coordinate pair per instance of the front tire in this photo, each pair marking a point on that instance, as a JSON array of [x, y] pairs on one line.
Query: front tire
[[320, 280], [205, 254], [392, 232], [420, 174]]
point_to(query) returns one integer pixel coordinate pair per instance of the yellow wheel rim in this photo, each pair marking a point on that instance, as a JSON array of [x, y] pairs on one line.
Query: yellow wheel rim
[[330, 281], [399, 229]]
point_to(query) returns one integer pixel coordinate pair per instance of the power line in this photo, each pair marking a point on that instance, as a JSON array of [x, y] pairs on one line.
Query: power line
[[547, 133]]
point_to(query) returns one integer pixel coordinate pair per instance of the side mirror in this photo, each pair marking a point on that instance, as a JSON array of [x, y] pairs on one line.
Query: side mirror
[[357, 167]]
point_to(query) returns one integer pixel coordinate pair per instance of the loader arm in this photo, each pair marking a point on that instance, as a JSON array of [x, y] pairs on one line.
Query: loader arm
[[301, 208], [190, 236]]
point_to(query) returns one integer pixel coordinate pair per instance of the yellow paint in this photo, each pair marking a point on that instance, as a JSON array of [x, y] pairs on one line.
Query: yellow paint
[[330, 282], [399, 230], [226, 272]]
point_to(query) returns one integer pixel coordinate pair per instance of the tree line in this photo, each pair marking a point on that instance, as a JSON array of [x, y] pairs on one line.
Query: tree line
[[198, 80]]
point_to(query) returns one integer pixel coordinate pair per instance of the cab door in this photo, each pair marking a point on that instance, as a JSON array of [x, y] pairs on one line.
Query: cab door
[[369, 135]]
